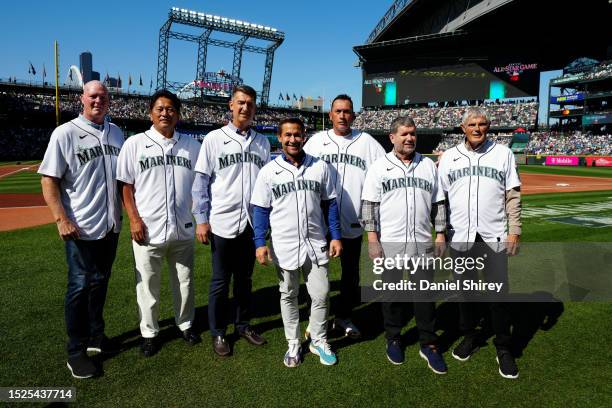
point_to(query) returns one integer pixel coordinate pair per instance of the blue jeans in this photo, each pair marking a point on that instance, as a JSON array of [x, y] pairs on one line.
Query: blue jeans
[[89, 269]]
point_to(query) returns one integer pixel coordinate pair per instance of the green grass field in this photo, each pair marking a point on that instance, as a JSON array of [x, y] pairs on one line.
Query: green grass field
[[22, 182], [567, 364]]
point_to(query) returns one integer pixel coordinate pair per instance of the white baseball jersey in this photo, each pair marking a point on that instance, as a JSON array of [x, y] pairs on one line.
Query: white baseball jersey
[[85, 160], [232, 161], [296, 220], [350, 157], [406, 193], [476, 185], [162, 172]]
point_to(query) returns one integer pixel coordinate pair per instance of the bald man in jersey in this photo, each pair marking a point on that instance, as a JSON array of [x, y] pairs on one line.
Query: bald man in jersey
[[481, 182], [78, 184]]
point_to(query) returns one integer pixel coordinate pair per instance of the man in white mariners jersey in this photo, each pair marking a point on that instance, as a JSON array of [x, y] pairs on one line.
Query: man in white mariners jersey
[[295, 196], [78, 183], [156, 172], [483, 192], [350, 153], [227, 168], [401, 200]]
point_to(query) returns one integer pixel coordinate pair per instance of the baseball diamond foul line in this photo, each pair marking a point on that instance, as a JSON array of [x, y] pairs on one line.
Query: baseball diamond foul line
[[17, 171]]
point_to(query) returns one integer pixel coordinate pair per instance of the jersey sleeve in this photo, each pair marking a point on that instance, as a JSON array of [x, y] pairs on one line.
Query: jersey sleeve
[[262, 193], [442, 184], [328, 191], [376, 150], [371, 186], [125, 163], [512, 179], [437, 193], [309, 147], [54, 163], [206, 159]]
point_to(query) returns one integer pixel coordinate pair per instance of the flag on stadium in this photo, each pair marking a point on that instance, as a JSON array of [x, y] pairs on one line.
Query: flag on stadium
[[294, 97], [106, 78], [44, 72], [280, 96], [129, 79], [151, 84], [288, 98], [301, 98], [118, 81], [140, 81], [32, 70], [70, 75]]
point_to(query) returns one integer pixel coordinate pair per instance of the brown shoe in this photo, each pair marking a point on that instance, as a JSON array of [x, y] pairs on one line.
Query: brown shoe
[[253, 337], [220, 346]]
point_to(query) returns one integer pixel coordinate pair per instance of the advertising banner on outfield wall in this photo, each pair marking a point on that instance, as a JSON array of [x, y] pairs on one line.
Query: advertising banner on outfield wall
[[562, 160], [605, 161]]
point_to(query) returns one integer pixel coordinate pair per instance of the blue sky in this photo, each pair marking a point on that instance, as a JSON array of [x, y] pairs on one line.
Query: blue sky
[[316, 58]]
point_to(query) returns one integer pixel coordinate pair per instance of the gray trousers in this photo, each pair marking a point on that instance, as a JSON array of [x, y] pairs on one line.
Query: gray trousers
[[317, 284]]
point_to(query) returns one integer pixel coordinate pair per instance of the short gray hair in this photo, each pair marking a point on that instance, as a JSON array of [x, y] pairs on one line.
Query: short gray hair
[[475, 112], [402, 121]]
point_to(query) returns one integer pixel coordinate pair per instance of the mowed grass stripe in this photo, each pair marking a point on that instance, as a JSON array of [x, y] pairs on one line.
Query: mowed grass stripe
[[556, 367], [22, 182], [605, 172]]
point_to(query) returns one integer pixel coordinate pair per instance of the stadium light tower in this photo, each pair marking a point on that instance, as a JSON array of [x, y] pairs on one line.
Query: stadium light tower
[[210, 23]]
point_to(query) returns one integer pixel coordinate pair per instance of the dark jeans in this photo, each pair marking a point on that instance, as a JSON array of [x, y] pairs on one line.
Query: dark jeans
[[496, 270], [89, 269], [349, 281], [395, 312], [231, 257]]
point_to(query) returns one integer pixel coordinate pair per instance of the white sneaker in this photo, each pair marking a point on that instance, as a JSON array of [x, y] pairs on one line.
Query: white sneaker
[[349, 329], [293, 356], [326, 355]]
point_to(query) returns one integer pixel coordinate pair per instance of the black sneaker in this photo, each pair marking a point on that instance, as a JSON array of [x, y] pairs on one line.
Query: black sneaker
[[191, 337], [148, 346], [507, 365], [81, 366], [102, 344], [465, 349]]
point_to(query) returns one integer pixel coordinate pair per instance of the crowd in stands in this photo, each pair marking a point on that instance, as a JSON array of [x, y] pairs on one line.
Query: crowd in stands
[[125, 107], [546, 143], [506, 115], [575, 143], [21, 143], [603, 70]]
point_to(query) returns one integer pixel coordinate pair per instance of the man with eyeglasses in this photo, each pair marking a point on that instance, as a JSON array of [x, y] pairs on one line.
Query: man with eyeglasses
[[156, 169]]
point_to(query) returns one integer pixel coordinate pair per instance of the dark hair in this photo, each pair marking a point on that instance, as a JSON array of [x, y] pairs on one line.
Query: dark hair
[[295, 121], [343, 97], [245, 89], [164, 93]]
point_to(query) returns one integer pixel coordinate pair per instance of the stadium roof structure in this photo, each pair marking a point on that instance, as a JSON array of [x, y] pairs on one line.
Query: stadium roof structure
[[423, 33], [209, 23]]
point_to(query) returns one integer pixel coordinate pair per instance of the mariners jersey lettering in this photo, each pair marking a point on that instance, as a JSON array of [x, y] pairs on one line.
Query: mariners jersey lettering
[[406, 193], [476, 185], [161, 171], [296, 219], [233, 162], [85, 161], [349, 158]]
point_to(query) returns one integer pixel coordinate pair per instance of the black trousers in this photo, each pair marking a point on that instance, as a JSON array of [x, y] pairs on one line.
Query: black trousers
[[231, 257], [395, 313], [349, 281], [496, 270]]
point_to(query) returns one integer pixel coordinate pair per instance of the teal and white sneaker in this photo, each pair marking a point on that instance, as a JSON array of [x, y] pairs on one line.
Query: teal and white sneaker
[[326, 355], [293, 356]]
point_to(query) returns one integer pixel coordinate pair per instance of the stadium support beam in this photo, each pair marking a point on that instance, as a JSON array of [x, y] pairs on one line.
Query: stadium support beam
[[212, 23], [238, 46], [162, 55], [265, 92]]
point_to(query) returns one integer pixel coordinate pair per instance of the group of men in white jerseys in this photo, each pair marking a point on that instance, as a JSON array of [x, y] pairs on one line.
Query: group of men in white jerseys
[[316, 198]]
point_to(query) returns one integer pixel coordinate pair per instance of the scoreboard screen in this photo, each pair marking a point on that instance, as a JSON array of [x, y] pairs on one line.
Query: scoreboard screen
[[450, 83]]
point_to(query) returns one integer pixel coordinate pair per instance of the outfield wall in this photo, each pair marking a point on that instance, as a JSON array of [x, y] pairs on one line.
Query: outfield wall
[[556, 160]]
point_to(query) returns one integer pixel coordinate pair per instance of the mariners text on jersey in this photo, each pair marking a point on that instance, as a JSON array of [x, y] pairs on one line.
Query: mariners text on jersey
[[280, 190], [406, 182], [226, 160], [147, 162], [344, 158], [490, 172], [86, 154]]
